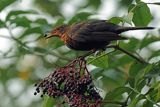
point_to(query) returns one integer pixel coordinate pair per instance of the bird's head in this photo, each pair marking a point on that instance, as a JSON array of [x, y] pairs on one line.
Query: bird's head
[[57, 32]]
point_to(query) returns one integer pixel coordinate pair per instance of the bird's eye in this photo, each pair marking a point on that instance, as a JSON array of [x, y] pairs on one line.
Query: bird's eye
[[46, 33]]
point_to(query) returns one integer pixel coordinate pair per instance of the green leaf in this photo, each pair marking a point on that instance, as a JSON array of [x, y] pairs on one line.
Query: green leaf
[[153, 95], [1, 24], [120, 61], [80, 17], [21, 21], [140, 84], [29, 31], [126, 2], [99, 61], [113, 78], [155, 54], [38, 49], [131, 81], [148, 68], [154, 92], [5, 3], [147, 40], [128, 18], [135, 101], [59, 22], [142, 15], [116, 20], [41, 21], [19, 12], [153, 70], [135, 69], [94, 3], [131, 46], [147, 104], [116, 93], [48, 102], [155, 85], [49, 6], [158, 94], [138, 1]]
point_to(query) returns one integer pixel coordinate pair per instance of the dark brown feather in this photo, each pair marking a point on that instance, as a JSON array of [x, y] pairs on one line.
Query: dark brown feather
[[94, 34]]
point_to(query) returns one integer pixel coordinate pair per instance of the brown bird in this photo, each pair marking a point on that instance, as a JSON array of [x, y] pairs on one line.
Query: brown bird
[[89, 35]]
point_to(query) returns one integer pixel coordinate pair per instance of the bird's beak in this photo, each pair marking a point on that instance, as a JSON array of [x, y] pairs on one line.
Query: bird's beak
[[48, 35]]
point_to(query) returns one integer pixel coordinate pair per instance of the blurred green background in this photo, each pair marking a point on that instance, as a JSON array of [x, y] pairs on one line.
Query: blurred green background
[[26, 57]]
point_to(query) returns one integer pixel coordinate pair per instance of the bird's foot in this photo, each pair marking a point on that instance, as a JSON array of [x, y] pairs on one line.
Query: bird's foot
[[97, 53]]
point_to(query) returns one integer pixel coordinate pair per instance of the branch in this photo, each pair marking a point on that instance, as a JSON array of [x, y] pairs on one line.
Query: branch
[[146, 97], [100, 56], [128, 53], [115, 102]]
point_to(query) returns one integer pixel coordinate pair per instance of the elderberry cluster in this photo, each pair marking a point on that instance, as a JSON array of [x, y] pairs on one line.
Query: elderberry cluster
[[73, 82]]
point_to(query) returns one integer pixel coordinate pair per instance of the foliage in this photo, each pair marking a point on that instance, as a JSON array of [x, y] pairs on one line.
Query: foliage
[[121, 79]]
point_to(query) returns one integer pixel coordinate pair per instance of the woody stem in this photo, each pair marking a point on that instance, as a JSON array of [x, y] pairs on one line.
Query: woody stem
[[128, 53]]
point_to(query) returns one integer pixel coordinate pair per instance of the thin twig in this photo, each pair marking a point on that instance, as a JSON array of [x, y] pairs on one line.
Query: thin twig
[[128, 53], [114, 102], [100, 56], [126, 102], [146, 97]]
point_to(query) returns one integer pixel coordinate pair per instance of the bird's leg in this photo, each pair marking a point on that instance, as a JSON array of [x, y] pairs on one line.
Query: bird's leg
[[117, 43], [128, 53], [98, 52], [139, 56]]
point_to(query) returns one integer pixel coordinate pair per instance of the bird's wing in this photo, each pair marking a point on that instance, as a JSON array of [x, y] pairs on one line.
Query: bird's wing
[[99, 36], [94, 31], [102, 25], [87, 36], [105, 36]]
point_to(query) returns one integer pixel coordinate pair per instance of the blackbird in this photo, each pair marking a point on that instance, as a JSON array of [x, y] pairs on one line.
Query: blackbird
[[90, 35]]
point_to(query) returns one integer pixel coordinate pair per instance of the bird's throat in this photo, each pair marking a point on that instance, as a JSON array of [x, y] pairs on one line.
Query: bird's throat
[[63, 38]]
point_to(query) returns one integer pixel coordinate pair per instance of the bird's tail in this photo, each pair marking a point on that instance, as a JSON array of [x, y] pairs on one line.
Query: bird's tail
[[123, 29]]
